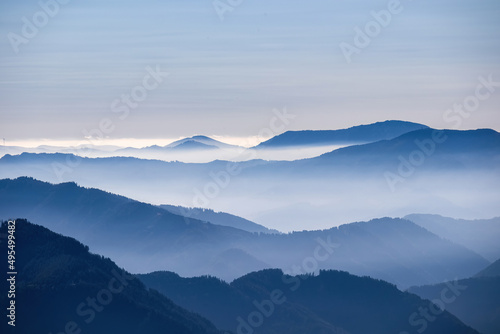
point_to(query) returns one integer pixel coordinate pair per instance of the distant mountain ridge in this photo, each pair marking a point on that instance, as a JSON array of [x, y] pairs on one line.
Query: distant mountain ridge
[[473, 143], [360, 134], [204, 140], [479, 235], [186, 144], [274, 190], [218, 218]]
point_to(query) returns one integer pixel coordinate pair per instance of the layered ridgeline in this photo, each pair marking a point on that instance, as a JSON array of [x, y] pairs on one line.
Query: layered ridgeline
[[218, 218], [269, 302], [475, 301], [62, 288], [290, 145], [145, 238], [479, 235], [452, 173]]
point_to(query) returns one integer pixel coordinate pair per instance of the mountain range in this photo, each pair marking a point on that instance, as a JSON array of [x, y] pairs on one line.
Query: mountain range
[[129, 231], [290, 145], [422, 167], [307, 258], [62, 287]]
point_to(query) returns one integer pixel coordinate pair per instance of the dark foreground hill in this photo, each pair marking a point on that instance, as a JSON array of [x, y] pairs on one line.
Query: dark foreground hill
[[270, 302], [61, 287]]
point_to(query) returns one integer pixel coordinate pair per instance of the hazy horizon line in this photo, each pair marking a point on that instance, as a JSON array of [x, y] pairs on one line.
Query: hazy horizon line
[[243, 141]]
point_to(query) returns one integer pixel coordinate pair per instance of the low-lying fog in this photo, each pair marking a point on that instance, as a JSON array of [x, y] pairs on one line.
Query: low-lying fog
[[283, 199], [188, 156]]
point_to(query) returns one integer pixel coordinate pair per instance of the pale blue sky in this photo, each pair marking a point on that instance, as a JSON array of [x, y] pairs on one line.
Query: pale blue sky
[[227, 76]]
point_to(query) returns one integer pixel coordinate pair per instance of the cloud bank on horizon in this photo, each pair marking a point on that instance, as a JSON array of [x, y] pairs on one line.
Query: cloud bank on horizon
[[72, 66]]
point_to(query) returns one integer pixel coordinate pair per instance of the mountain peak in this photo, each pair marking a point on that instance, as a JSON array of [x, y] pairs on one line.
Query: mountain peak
[[200, 142]]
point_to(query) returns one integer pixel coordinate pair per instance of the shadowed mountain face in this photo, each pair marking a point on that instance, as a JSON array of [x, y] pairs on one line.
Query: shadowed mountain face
[[476, 301], [439, 149], [452, 173], [356, 135], [493, 270], [144, 238], [61, 287], [269, 301], [479, 235]]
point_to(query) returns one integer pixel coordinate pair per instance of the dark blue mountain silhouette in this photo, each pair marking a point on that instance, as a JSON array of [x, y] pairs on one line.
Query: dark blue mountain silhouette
[[331, 302], [354, 135], [453, 149], [475, 301]]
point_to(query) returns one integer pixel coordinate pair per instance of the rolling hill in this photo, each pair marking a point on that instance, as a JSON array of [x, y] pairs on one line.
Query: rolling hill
[[270, 301], [360, 134], [476, 301]]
